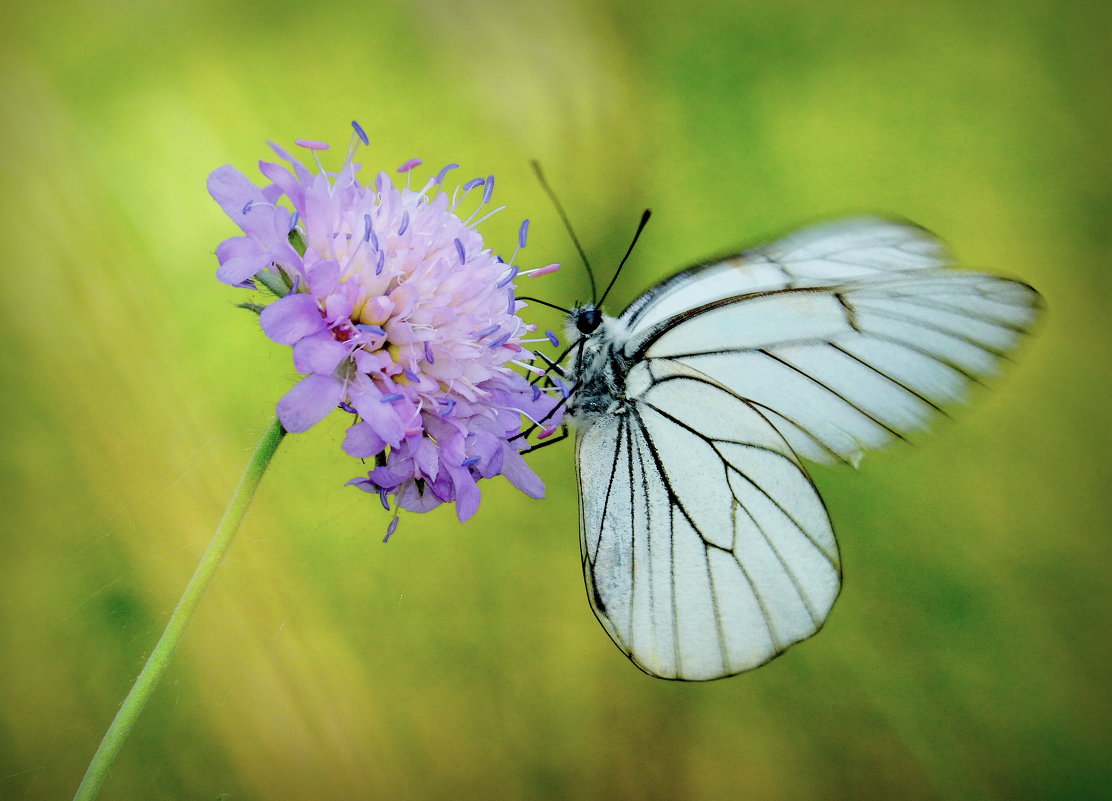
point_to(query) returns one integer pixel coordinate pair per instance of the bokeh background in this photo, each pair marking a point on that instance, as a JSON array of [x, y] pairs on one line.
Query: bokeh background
[[968, 656]]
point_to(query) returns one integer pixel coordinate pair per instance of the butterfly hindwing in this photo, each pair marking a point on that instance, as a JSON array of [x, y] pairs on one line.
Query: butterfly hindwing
[[706, 548]]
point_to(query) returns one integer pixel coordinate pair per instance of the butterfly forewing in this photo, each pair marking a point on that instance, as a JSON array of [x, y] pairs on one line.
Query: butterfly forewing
[[832, 252], [853, 365]]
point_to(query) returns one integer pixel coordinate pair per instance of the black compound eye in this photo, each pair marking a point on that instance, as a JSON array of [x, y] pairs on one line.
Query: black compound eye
[[588, 320]]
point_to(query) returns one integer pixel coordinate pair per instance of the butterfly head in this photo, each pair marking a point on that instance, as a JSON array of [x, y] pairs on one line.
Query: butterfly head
[[587, 319]]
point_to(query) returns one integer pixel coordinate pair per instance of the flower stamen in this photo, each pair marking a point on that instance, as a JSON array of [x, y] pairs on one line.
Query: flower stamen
[[360, 132]]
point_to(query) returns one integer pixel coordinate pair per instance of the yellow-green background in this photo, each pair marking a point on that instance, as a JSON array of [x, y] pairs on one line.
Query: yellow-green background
[[969, 654]]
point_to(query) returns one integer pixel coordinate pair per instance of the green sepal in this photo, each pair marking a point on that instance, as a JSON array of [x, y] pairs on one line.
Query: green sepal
[[296, 242], [274, 281]]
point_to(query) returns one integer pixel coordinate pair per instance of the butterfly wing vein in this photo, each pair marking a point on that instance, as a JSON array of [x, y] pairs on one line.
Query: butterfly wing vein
[[706, 548], [700, 573]]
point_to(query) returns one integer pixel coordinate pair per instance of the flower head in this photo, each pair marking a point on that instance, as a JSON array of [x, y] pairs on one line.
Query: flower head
[[397, 313]]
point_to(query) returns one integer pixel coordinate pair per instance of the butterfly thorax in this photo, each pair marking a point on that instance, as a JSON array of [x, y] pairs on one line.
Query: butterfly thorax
[[600, 368]]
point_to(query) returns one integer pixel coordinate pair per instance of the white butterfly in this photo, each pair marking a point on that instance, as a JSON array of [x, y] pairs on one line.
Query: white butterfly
[[706, 548]]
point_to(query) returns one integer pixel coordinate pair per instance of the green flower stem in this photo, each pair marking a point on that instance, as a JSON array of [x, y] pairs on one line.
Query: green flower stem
[[160, 657]]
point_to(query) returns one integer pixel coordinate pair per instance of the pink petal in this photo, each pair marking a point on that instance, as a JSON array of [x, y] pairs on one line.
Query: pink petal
[[427, 458], [284, 180], [489, 450], [413, 501], [377, 310], [236, 246], [382, 417], [324, 277], [309, 402], [319, 211], [520, 474], [393, 473], [238, 269], [319, 353], [363, 483], [467, 494], [362, 442], [288, 319], [338, 306], [231, 189], [303, 175], [273, 194]]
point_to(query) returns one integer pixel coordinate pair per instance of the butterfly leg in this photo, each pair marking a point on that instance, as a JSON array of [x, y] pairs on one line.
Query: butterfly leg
[[551, 441]]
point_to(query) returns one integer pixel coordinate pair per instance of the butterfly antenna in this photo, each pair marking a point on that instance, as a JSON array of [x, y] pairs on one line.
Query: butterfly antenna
[[567, 223], [545, 303], [640, 227]]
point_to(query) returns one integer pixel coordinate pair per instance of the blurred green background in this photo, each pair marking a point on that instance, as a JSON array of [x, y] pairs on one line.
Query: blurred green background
[[968, 656]]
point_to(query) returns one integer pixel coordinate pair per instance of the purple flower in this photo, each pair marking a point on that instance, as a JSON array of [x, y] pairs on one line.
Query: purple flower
[[395, 309]]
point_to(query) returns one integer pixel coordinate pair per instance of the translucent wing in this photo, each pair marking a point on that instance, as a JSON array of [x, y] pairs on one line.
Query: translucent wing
[[706, 549], [843, 357], [838, 251]]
